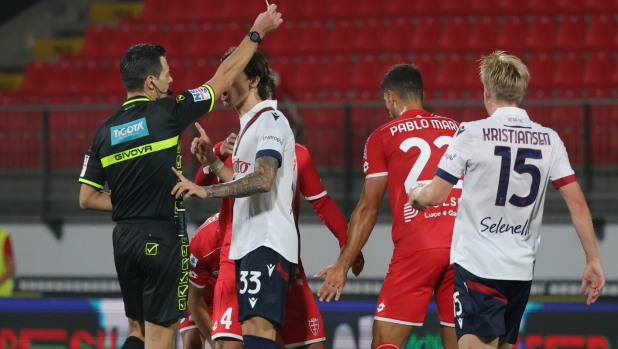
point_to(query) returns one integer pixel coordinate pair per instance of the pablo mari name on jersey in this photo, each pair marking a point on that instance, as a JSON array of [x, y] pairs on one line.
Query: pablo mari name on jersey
[[423, 123]]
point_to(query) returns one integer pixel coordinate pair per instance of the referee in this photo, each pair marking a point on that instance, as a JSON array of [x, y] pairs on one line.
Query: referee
[[132, 151]]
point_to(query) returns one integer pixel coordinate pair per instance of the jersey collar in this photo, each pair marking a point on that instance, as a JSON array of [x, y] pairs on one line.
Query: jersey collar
[[512, 117], [136, 99], [416, 113], [251, 113]]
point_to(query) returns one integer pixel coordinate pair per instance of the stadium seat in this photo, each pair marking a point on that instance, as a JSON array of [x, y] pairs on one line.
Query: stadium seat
[[542, 33], [513, 6], [452, 72], [342, 9], [312, 38], [426, 7], [90, 75], [284, 40], [542, 6], [426, 63], [96, 40], [284, 69], [206, 11], [569, 70], [485, 6], [111, 81], [615, 74], [201, 47], [427, 35], [178, 40], [398, 36], [309, 70], [231, 35], [372, 9], [541, 69], [336, 74], [240, 10], [197, 73], [471, 78], [178, 74], [598, 70], [155, 10], [178, 11], [600, 33], [456, 7], [512, 35], [455, 34], [366, 73], [341, 37], [36, 74], [63, 74], [572, 6], [602, 5], [568, 121], [151, 33], [323, 135], [369, 36], [315, 9], [571, 33], [483, 35], [398, 7], [122, 39]]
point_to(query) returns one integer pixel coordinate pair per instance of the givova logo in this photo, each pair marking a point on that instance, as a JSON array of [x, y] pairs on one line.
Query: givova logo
[[129, 131]]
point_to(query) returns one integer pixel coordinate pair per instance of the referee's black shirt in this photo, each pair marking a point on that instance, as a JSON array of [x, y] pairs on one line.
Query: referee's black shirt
[[135, 148]]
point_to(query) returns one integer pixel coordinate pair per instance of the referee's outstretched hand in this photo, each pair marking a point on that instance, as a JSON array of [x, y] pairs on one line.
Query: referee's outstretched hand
[[267, 21], [187, 187]]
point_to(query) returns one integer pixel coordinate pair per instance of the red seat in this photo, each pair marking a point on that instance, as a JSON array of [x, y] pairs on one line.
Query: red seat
[[456, 6], [96, 40], [323, 129], [310, 68], [568, 121], [232, 34], [513, 6], [471, 78], [336, 74], [284, 69], [573, 6], [541, 69], [178, 74], [369, 37], [598, 70], [398, 35], [122, 39], [451, 73], [571, 33], [485, 6], [483, 35], [341, 37], [569, 70], [602, 5], [206, 11], [541, 34], [312, 38], [426, 64], [427, 35], [90, 74], [62, 75], [512, 35], [111, 81], [315, 9], [151, 33], [542, 6], [372, 9], [155, 10], [197, 73], [178, 40], [398, 7], [366, 73], [342, 8], [37, 73], [200, 47], [599, 34], [427, 7], [615, 74], [284, 40], [180, 9], [241, 10], [455, 34]]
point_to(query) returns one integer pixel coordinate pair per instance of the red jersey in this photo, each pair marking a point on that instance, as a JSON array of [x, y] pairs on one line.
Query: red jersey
[[408, 150], [204, 259]]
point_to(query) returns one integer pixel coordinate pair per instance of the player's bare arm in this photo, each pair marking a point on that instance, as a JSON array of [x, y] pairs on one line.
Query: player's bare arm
[[260, 181], [265, 23], [363, 220], [94, 199], [582, 221], [199, 312], [432, 194]]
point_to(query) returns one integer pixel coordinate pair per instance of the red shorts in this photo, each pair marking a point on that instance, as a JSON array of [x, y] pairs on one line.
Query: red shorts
[[225, 313], [408, 286], [187, 323], [303, 321]]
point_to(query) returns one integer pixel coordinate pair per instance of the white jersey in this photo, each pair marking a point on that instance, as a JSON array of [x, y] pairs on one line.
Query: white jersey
[[265, 219], [507, 161]]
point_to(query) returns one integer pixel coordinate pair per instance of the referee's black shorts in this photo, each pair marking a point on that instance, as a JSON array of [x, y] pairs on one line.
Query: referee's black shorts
[[153, 269]]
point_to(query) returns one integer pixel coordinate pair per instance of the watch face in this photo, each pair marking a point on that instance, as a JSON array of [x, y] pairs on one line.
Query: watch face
[[255, 36]]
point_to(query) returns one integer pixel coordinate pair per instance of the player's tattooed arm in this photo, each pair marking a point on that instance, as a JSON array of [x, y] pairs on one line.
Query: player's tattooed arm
[[260, 181]]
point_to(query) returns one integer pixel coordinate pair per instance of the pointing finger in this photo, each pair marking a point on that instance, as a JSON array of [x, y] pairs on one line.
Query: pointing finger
[[178, 174]]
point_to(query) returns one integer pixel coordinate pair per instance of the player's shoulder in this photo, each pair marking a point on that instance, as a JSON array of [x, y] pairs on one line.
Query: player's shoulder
[[301, 150], [207, 231]]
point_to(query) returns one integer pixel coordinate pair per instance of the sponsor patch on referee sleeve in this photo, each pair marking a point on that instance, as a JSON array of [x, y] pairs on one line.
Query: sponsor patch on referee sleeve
[[85, 166], [200, 94]]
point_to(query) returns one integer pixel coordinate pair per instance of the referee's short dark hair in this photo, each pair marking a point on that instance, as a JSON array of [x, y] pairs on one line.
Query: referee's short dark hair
[[258, 67], [405, 80], [138, 63]]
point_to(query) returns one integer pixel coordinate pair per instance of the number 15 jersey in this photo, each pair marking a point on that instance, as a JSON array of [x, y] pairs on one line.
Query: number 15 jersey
[[408, 150]]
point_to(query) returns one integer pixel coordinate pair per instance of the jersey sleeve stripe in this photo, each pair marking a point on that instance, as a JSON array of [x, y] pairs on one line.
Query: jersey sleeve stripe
[[196, 285], [212, 96], [315, 197], [559, 183], [379, 174], [269, 152], [447, 176], [91, 183]]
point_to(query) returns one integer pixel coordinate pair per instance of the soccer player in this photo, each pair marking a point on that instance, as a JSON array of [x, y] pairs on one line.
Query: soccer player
[[507, 160], [130, 151], [265, 243], [7, 264], [399, 155]]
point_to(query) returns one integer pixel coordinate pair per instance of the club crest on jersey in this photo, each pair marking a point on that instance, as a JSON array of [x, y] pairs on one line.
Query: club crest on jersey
[[200, 94], [129, 131], [314, 326], [241, 166]]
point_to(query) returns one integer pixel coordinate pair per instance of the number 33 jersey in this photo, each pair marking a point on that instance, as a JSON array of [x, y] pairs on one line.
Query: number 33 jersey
[[508, 161], [408, 150]]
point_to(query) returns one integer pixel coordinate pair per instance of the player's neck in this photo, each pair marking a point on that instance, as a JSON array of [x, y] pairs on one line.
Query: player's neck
[[251, 101], [148, 94], [410, 106], [493, 105]]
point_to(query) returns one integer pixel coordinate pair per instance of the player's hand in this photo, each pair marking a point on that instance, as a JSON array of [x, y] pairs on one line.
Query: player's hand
[[227, 148], [204, 146], [358, 264], [593, 274], [267, 21], [336, 277], [413, 197], [187, 187], [199, 151]]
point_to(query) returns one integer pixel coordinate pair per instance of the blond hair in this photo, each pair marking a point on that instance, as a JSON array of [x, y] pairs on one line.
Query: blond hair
[[504, 76]]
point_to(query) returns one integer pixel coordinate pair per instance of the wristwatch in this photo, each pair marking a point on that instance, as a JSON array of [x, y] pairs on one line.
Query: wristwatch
[[255, 37]]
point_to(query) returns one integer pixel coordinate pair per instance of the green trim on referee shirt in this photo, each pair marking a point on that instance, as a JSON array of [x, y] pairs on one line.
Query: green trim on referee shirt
[[212, 96], [136, 100], [139, 151], [91, 183]]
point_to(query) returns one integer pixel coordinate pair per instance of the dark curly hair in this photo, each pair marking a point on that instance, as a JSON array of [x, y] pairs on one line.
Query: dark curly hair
[[405, 80], [258, 67]]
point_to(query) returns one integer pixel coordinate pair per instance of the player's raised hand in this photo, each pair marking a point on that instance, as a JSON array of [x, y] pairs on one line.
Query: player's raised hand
[[359, 264], [187, 187], [336, 277], [227, 148], [267, 21], [593, 274], [203, 146]]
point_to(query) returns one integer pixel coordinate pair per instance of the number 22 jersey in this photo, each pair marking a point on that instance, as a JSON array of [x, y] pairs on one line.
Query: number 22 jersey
[[408, 150]]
